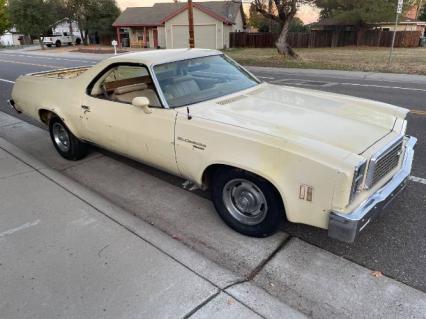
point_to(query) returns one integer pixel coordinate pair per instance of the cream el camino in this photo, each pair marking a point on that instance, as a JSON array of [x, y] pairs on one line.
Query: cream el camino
[[267, 153]]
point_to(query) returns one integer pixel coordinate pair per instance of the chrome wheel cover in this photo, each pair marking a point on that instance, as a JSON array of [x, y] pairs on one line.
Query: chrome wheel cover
[[245, 201], [61, 137]]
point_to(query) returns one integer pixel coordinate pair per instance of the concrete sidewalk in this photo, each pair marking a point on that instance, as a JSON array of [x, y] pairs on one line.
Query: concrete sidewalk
[[62, 256]]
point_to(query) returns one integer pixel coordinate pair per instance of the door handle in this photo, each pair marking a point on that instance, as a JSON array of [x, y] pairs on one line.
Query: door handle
[[85, 108]]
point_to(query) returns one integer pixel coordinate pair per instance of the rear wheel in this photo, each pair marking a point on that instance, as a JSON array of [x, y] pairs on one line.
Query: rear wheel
[[58, 44], [246, 202], [67, 145]]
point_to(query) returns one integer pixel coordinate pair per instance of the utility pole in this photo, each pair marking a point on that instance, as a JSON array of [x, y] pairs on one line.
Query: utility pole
[[398, 12], [191, 24]]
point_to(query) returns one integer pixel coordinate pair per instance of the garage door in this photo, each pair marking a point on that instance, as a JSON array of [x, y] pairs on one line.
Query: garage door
[[205, 36]]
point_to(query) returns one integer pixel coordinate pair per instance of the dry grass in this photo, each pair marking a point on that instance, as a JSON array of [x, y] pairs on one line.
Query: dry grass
[[412, 61]]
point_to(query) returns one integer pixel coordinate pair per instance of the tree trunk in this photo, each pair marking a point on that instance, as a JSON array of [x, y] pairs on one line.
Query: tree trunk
[[86, 37], [81, 34], [282, 45], [41, 39], [71, 30]]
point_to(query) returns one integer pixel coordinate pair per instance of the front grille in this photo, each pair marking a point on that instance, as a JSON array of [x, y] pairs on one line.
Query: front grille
[[384, 162]]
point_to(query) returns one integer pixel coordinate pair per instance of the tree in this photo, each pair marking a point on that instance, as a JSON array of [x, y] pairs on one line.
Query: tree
[[283, 12], [4, 18], [361, 13], [102, 14], [297, 25], [422, 13], [93, 15], [261, 23], [32, 17]]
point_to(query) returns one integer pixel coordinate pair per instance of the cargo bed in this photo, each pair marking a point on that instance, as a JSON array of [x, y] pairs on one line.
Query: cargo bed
[[68, 73]]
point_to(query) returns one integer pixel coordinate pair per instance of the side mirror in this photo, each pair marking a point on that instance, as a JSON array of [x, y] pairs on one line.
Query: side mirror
[[143, 103]]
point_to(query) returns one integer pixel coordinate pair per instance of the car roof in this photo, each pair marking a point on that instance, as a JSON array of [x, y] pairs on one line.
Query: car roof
[[163, 56]]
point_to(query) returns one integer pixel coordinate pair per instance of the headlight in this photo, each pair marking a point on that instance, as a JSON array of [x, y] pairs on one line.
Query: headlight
[[358, 178]]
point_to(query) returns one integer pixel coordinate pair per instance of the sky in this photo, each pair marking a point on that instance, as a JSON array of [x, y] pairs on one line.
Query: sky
[[308, 14]]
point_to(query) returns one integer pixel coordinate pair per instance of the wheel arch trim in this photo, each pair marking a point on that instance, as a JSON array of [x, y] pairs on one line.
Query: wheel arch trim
[[45, 115]]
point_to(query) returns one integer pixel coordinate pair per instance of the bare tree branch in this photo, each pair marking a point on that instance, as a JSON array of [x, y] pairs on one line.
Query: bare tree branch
[[261, 8], [283, 11]]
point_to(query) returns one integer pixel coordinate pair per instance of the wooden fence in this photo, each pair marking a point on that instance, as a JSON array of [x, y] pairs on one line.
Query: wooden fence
[[323, 39]]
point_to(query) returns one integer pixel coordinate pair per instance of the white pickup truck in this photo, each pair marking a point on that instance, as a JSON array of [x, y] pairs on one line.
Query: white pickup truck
[[59, 39]]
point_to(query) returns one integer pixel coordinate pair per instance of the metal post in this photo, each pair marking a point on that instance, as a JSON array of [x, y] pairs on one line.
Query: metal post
[[393, 39], [398, 12], [191, 24], [118, 36]]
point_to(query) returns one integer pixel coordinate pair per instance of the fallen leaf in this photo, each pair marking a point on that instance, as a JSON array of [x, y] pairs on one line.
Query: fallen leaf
[[377, 274], [176, 237], [231, 301]]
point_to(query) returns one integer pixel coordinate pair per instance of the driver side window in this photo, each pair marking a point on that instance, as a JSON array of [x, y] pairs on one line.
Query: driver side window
[[123, 83]]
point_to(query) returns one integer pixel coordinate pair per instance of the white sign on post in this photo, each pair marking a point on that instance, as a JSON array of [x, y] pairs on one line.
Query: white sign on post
[[114, 44], [398, 12], [400, 5]]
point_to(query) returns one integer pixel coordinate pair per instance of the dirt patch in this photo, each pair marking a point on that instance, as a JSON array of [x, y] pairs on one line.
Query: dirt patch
[[98, 50]]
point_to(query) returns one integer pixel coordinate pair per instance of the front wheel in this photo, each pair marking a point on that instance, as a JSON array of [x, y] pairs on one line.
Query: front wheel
[[67, 145], [58, 44], [247, 203]]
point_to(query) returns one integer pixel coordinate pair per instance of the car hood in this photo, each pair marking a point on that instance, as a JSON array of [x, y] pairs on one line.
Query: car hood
[[349, 123]]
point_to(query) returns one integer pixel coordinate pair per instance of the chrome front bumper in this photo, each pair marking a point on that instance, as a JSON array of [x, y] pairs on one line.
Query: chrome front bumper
[[346, 227]]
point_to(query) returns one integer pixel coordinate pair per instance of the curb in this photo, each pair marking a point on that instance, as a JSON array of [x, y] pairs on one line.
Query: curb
[[354, 75]]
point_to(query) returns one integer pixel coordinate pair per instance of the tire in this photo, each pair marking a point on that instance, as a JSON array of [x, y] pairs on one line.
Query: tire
[[58, 44], [69, 43], [49, 45], [67, 145], [265, 210], [78, 41]]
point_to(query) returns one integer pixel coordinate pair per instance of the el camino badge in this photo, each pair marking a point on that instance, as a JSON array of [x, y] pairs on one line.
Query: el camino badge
[[195, 145]]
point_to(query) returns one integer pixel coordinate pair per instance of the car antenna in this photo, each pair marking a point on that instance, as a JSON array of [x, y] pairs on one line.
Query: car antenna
[[188, 114]]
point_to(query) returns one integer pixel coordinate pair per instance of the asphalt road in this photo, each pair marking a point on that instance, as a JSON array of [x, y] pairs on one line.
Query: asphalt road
[[395, 244]]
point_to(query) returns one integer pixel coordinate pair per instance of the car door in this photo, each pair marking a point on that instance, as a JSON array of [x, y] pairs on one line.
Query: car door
[[115, 124]]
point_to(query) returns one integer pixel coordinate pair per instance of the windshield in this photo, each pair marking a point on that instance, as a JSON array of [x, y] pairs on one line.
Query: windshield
[[191, 81]]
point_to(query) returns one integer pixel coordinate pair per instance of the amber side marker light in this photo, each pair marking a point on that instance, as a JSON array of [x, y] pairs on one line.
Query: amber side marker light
[[306, 192]]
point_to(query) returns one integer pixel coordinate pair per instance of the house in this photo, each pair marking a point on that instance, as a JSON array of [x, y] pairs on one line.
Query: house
[[165, 25], [405, 24], [12, 38]]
